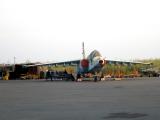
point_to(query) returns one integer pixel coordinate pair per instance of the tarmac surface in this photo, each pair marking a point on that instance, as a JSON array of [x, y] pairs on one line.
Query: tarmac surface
[[136, 99]]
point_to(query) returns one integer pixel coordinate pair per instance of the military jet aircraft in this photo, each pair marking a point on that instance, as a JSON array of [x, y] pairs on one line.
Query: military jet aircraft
[[93, 63]]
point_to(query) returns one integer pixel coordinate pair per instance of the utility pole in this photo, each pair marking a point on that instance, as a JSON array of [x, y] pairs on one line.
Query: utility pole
[[14, 59]]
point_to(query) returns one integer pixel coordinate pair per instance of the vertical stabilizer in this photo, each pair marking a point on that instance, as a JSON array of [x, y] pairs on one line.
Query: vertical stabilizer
[[83, 51]]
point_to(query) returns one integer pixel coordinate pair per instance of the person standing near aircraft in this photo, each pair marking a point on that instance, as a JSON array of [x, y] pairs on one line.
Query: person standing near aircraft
[[95, 78], [51, 75], [48, 75]]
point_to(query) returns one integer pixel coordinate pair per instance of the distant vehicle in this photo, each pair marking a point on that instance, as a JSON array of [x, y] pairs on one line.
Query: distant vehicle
[[92, 64], [151, 72]]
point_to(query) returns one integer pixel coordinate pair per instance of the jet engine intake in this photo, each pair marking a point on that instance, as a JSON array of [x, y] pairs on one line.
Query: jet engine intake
[[84, 63], [102, 62]]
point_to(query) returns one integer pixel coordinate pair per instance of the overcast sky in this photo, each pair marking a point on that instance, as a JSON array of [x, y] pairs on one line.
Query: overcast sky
[[53, 30]]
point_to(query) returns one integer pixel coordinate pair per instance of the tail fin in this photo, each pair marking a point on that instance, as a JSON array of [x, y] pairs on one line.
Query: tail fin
[[83, 51]]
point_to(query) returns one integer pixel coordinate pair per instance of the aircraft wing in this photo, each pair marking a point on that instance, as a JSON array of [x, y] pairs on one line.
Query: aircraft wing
[[125, 62], [65, 63]]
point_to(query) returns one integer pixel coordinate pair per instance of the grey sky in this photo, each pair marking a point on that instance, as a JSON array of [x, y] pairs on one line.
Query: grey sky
[[48, 30]]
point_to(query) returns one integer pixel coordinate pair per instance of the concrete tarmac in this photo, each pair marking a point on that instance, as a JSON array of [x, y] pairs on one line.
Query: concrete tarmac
[[136, 99]]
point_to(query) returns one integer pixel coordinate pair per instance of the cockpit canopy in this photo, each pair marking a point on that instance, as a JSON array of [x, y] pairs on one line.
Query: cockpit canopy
[[94, 54]]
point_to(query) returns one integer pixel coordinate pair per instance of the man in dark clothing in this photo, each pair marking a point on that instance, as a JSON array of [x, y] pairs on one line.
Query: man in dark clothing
[[47, 75], [95, 78], [51, 75]]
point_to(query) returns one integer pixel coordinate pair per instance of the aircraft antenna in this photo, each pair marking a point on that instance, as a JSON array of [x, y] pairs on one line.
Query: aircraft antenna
[[83, 51]]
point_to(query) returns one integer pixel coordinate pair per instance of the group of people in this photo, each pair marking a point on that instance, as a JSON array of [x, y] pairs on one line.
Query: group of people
[[63, 75]]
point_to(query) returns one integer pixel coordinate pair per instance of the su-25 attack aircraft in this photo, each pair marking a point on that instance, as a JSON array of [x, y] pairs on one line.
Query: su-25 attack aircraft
[[93, 63]]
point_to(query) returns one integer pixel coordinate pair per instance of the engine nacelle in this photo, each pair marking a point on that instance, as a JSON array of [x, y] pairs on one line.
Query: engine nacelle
[[102, 62], [85, 63]]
